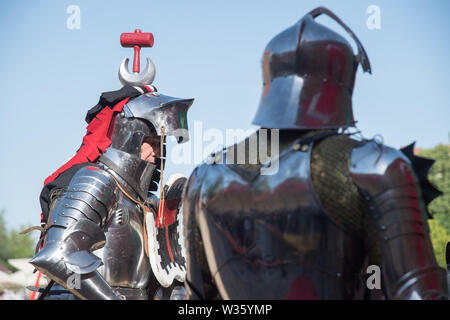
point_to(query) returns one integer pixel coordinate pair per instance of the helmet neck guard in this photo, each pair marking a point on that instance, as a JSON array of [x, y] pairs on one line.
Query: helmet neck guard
[[136, 172]]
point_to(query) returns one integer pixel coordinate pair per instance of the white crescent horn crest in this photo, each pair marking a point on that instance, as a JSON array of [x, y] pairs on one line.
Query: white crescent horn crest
[[142, 78]]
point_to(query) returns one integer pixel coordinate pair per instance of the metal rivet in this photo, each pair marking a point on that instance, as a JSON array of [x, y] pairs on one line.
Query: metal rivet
[[305, 148], [383, 227], [297, 147]]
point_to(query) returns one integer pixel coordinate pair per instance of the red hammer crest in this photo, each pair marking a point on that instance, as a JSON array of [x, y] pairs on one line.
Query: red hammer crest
[[136, 40]]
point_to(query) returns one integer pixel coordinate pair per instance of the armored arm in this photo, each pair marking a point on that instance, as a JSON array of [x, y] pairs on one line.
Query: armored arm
[[194, 287], [198, 281], [400, 244], [75, 230]]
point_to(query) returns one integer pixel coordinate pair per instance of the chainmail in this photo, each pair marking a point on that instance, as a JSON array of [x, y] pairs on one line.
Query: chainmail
[[338, 194]]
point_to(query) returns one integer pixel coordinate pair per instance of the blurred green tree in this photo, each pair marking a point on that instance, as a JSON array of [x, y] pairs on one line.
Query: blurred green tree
[[439, 207], [439, 237], [3, 242], [13, 245]]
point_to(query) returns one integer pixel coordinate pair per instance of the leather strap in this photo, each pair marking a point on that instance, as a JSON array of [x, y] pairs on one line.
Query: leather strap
[[43, 229], [163, 132], [46, 290]]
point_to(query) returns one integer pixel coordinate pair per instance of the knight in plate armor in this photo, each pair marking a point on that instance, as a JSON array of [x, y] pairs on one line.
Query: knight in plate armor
[[102, 219], [333, 208]]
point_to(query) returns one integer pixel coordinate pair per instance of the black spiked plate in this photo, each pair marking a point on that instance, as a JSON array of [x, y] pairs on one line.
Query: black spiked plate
[[421, 167]]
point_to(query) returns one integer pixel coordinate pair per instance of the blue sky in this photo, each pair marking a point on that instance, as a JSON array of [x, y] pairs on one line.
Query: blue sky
[[207, 50]]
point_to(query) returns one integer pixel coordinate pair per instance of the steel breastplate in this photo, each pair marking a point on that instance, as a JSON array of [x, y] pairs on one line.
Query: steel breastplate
[[125, 263], [267, 236]]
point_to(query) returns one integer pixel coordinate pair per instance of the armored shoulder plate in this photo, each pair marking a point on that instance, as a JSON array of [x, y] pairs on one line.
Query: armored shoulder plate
[[386, 179], [376, 168], [75, 228], [92, 193]]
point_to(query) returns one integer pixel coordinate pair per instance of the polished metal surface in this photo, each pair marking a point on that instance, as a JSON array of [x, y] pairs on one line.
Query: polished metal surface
[[161, 110], [266, 236], [171, 293], [132, 293], [125, 263], [128, 134], [142, 117], [385, 177], [80, 239], [104, 243], [145, 77], [91, 192], [136, 172], [250, 236], [75, 231], [374, 159], [308, 77], [177, 293]]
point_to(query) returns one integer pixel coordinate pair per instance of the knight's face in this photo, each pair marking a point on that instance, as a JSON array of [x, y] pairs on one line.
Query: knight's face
[[150, 149]]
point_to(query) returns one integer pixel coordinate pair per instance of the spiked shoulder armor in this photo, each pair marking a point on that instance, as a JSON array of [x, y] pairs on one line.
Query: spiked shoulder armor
[[393, 183]]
